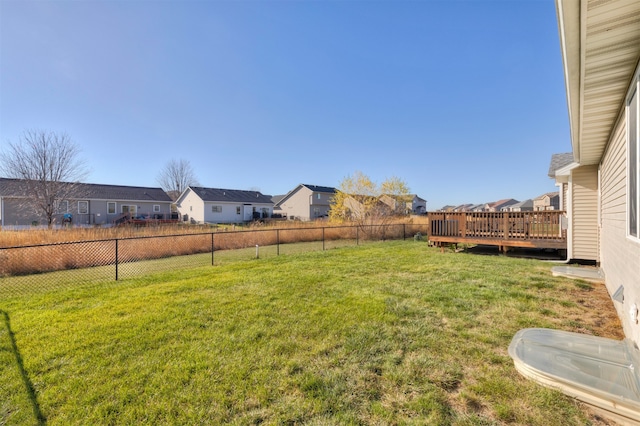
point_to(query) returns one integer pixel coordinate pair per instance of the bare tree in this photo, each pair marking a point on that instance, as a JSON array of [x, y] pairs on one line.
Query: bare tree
[[176, 176], [49, 168]]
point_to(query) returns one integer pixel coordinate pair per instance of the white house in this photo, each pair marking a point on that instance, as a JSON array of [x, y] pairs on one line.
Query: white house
[[214, 205], [600, 184]]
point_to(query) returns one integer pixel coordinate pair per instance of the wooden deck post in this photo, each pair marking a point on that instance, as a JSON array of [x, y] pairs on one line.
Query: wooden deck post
[[505, 225], [463, 229]]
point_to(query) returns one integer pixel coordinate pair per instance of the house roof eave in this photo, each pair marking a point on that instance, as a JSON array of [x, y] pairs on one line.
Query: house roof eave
[[182, 196], [566, 170], [600, 45]]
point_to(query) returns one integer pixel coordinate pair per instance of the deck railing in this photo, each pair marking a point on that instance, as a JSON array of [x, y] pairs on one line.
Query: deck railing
[[518, 229]]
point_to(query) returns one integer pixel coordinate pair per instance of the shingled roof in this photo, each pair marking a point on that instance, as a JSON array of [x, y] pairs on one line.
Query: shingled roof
[[315, 188], [231, 195], [558, 161], [91, 191]]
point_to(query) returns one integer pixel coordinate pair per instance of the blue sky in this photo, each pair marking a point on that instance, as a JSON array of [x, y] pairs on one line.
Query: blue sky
[[463, 100]]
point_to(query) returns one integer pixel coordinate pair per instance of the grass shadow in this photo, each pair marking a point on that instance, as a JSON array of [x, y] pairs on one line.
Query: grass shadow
[[519, 252], [41, 420]]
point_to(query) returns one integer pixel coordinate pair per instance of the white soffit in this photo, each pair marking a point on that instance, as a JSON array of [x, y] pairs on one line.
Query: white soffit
[[602, 39], [562, 174]]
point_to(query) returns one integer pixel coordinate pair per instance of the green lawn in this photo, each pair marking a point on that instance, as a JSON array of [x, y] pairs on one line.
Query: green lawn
[[386, 333]]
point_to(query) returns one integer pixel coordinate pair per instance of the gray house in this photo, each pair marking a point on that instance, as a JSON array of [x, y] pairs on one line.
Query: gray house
[[305, 202], [84, 204], [522, 206]]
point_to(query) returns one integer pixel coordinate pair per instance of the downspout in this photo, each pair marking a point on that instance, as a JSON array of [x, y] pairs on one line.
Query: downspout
[[564, 177], [599, 197], [569, 218]]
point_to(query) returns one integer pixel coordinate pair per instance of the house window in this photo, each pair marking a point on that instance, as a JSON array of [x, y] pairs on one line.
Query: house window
[[156, 208], [319, 196], [633, 138], [62, 207], [238, 210], [216, 209], [83, 207], [111, 207], [129, 209]]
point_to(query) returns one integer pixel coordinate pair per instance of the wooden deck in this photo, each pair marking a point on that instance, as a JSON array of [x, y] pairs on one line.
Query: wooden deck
[[537, 229]]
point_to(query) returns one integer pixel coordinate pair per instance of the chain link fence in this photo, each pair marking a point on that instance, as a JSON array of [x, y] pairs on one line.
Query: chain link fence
[[38, 268]]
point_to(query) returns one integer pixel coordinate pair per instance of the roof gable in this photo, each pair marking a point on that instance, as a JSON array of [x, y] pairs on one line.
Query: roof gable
[[502, 203], [559, 161], [549, 195], [525, 203]]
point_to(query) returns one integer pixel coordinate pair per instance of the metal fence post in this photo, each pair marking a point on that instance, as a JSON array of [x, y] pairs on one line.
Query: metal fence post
[[212, 250], [277, 242], [357, 236], [404, 231], [116, 259], [323, 238]]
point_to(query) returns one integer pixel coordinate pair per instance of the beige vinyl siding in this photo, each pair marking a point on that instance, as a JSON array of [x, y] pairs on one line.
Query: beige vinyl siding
[[299, 205], [620, 255], [584, 199], [192, 206], [613, 192]]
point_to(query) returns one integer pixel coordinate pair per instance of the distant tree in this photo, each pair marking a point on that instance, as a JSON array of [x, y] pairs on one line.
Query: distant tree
[[396, 194], [49, 167], [360, 200], [176, 176]]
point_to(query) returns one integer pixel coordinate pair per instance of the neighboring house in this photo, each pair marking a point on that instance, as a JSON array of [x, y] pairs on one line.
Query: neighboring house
[[275, 199], [548, 201], [360, 207], [600, 44], [304, 202], [475, 208], [214, 205], [497, 206], [409, 204], [559, 164], [418, 205], [522, 206], [463, 207], [447, 208], [384, 205], [87, 204]]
